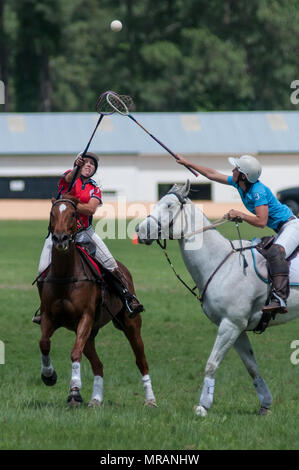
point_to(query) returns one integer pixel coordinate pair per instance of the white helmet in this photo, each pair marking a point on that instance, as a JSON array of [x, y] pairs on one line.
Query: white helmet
[[248, 165]]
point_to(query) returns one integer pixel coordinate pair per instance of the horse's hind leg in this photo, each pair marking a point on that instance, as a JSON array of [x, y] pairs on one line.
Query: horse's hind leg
[[48, 374], [132, 332], [243, 347], [97, 368]]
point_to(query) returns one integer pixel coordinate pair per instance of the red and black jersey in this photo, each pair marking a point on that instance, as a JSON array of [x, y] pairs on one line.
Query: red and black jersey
[[83, 192]]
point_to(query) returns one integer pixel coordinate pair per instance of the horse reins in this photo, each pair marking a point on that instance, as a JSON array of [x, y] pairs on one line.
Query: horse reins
[[203, 229]]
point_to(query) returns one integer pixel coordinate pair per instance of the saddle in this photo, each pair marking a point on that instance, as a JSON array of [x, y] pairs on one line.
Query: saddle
[[99, 274]]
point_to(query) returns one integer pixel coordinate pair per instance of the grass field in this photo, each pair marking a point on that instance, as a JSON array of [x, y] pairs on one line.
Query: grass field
[[178, 339]]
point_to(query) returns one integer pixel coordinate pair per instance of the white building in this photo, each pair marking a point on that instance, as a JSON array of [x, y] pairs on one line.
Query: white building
[[35, 149]]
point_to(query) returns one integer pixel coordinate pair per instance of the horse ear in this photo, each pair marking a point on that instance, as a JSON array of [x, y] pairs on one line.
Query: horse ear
[[175, 187], [53, 200], [186, 188]]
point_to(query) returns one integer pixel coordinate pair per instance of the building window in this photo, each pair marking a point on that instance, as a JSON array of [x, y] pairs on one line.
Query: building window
[[198, 191], [28, 187]]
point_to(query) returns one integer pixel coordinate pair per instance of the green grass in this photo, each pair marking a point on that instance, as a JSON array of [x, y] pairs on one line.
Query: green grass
[[178, 339]]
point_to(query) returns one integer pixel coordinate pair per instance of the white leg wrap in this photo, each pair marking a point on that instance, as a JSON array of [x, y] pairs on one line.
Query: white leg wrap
[[97, 393], [207, 394], [263, 392], [147, 385], [47, 368], [76, 375]]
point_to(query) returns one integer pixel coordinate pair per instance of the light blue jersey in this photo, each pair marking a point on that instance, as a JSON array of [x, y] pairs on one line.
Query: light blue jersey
[[260, 195]]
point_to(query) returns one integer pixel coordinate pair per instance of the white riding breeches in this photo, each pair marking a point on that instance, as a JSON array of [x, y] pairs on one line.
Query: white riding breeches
[[102, 254], [288, 236]]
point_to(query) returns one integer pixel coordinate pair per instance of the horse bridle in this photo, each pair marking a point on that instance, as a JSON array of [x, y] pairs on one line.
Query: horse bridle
[[180, 209], [72, 236]]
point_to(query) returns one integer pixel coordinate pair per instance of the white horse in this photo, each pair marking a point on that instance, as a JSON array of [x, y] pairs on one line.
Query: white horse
[[232, 296]]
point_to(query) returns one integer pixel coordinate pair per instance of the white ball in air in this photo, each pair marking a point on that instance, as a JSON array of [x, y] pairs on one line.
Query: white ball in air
[[116, 26]]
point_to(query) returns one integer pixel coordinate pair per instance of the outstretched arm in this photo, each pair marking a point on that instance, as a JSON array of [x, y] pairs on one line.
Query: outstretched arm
[[259, 219], [209, 173]]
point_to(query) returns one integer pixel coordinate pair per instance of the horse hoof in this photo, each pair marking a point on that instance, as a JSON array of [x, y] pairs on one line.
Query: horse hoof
[[151, 403], [264, 411], [94, 403], [49, 381], [74, 398], [200, 411]]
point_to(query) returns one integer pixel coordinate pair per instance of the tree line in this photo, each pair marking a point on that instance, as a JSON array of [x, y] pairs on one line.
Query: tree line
[[171, 55]]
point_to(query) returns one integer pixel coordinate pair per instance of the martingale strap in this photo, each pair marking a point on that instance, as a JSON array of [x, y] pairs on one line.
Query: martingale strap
[[201, 297]]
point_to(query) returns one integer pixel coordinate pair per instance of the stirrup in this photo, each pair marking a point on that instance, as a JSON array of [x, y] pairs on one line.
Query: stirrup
[[36, 317], [138, 309]]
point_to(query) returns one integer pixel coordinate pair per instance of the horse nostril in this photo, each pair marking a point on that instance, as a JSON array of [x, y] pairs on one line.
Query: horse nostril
[[55, 238], [64, 238]]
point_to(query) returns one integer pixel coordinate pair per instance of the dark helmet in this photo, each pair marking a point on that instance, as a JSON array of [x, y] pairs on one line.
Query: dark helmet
[[95, 159]]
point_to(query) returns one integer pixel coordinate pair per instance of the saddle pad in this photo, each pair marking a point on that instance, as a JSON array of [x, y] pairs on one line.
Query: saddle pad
[[260, 266], [90, 260]]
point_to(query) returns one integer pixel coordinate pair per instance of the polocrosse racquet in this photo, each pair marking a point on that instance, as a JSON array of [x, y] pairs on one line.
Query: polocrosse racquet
[[104, 109], [123, 104]]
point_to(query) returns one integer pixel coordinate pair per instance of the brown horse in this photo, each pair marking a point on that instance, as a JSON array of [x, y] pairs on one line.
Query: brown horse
[[73, 296]]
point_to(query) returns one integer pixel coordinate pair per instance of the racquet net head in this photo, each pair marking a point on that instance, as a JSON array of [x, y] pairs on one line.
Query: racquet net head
[[111, 102], [102, 105], [122, 104]]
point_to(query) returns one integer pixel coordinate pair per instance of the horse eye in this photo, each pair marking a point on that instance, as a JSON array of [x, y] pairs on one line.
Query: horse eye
[[73, 214]]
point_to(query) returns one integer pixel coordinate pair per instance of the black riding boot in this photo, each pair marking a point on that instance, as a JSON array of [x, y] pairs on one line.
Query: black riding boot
[[279, 275], [119, 283]]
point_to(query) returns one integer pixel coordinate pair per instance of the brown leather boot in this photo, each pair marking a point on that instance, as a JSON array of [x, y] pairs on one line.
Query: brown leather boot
[[130, 301], [279, 295]]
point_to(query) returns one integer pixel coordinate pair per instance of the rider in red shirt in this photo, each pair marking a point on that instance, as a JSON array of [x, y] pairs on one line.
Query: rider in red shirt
[[89, 195], [83, 189]]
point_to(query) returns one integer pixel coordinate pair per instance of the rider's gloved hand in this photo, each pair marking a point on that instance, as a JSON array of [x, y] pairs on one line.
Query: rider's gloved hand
[[79, 160], [234, 216]]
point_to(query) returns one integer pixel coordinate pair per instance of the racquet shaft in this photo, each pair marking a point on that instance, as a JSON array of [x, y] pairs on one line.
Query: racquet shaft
[[161, 143], [84, 153]]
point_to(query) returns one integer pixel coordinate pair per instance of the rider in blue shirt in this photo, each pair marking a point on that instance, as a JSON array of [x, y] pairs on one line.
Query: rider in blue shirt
[[258, 195], [265, 210]]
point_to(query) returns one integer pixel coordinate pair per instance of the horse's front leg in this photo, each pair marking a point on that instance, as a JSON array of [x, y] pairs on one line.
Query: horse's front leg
[[82, 335], [48, 374], [228, 332]]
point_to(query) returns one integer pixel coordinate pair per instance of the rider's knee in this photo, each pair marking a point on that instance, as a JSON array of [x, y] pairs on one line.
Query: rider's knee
[[276, 257]]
